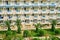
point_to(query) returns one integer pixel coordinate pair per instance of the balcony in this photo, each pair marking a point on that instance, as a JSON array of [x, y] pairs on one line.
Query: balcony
[[44, 11], [0, 11], [43, 16], [35, 11], [34, 4], [27, 5], [52, 4], [26, 11], [27, 17], [13, 18], [8, 12], [44, 5], [35, 17], [52, 11], [52, 17], [18, 12]]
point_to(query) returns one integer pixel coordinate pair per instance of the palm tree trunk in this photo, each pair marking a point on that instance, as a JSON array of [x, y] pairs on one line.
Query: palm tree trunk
[[53, 28], [37, 29]]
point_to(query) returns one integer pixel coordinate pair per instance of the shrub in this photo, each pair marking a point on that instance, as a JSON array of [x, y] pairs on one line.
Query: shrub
[[41, 32], [26, 33], [53, 38], [57, 31]]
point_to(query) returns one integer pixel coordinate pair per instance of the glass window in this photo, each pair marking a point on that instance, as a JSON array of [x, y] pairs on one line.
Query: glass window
[[9, 16], [17, 9], [35, 20], [1, 17], [43, 16], [27, 16], [34, 15], [6, 2], [32, 1], [27, 21], [8, 9]]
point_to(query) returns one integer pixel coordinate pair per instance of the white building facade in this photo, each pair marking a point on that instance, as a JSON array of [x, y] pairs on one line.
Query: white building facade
[[30, 11]]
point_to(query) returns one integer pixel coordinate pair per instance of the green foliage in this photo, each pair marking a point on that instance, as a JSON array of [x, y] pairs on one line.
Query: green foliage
[[41, 32], [53, 38], [18, 23], [9, 33], [38, 26], [26, 33], [57, 31], [7, 23], [18, 38], [53, 23]]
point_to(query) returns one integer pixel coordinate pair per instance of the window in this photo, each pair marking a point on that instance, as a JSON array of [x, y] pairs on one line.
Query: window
[[41, 1], [6, 2], [27, 16], [1, 17], [15, 1], [35, 20], [24, 8], [32, 14], [23, 21], [35, 8], [27, 21], [24, 14], [9, 16], [43, 20], [8, 9], [24, 1], [35, 16], [52, 10], [17, 9], [43, 16], [32, 1]]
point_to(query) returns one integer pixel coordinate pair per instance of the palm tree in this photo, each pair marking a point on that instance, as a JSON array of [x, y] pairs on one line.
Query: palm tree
[[53, 23], [26, 33], [18, 23], [37, 26], [7, 23]]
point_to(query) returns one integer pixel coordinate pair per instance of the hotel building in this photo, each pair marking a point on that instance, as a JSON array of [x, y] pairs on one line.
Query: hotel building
[[30, 11]]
